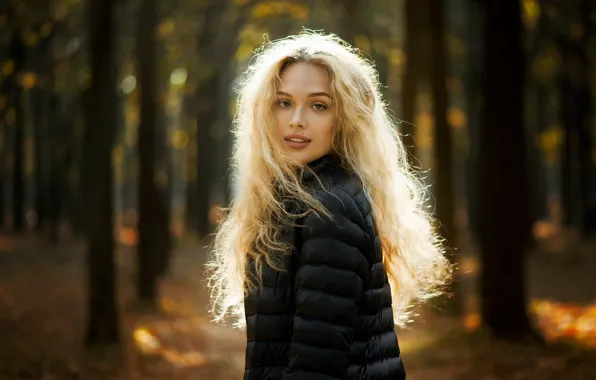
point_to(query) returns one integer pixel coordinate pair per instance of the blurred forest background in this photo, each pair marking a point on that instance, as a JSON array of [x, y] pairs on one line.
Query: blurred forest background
[[114, 149]]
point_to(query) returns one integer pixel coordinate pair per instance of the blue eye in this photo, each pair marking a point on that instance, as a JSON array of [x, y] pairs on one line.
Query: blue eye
[[284, 103]]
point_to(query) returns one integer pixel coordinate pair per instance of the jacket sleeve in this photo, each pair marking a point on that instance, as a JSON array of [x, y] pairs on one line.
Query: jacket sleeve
[[329, 279]]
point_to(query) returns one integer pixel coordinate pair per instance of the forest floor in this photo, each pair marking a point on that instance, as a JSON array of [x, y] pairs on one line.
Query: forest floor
[[42, 322]]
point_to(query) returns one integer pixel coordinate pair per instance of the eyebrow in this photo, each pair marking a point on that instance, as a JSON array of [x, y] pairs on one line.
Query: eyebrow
[[312, 95]]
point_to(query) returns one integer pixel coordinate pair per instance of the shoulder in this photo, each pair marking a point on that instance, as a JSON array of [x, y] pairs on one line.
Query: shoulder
[[343, 197]]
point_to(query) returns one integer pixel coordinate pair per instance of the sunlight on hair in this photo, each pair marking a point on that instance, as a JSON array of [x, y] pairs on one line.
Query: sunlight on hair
[[368, 143]]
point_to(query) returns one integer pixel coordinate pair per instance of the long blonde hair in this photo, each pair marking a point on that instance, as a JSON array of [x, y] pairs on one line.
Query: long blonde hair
[[368, 142]]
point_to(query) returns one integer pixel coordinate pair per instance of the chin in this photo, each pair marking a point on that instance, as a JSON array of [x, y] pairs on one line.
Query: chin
[[300, 159]]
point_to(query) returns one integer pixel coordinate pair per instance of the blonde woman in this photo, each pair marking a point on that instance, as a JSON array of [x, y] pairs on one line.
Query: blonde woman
[[326, 244]]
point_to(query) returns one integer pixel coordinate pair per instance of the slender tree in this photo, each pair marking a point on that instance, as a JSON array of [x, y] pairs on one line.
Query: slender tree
[[216, 50], [504, 222], [443, 146], [417, 53], [17, 53], [102, 325], [153, 225]]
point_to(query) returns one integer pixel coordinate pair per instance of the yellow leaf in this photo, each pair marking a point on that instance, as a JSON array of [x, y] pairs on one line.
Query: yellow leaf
[[179, 139], [165, 28], [456, 118], [46, 29], [299, 11], [549, 142], [531, 12], [60, 12], [146, 341], [472, 321], [425, 124], [396, 57], [8, 68], [362, 43], [469, 265], [31, 39], [29, 80], [262, 10], [118, 155], [244, 51]]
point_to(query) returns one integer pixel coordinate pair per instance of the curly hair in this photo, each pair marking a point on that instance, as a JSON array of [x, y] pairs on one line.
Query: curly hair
[[368, 142]]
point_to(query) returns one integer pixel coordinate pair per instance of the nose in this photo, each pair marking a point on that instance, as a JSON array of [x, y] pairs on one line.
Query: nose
[[298, 119]]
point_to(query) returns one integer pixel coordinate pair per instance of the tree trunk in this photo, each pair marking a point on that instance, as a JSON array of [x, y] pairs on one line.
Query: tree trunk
[[18, 189], [416, 51], [575, 115], [153, 221], [207, 97], [192, 188], [589, 144], [504, 225], [216, 51], [443, 147], [102, 313], [44, 138], [356, 19]]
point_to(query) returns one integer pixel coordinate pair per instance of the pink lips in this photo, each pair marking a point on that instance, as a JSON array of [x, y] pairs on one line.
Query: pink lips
[[296, 141]]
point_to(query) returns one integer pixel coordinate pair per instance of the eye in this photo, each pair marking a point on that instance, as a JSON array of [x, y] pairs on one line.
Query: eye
[[284, 103], [319, 107]]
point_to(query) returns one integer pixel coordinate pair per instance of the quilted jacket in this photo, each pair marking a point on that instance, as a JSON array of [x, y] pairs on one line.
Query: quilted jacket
[[327, 315]]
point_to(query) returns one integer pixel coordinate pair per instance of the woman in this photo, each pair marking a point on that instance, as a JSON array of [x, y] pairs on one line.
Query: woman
[[326, 243]]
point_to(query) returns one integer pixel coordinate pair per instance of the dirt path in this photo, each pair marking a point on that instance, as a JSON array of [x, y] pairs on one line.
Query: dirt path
[[42, 318]]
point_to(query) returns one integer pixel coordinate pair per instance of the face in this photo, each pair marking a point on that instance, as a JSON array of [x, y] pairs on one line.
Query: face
[[304, 113]]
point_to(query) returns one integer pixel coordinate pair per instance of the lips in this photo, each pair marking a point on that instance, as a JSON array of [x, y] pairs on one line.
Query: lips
[[296, 141]]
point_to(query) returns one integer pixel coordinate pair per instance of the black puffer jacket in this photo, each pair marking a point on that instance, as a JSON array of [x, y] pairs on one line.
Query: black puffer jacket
[[328, 315]]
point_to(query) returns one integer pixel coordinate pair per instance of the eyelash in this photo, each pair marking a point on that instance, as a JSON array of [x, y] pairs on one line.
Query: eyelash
[[281, 101]]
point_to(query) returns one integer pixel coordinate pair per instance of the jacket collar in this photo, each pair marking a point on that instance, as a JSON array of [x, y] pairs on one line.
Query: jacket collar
[[319, 167]]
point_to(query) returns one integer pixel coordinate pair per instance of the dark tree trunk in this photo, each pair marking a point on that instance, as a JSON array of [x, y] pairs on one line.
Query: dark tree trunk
[[588, 163], [576, 144], [192, 201], [153, 224], [443, 147], [45, 147], [356, 19], [207, 97], [504, 225], [216, 51], [57, 176], [473, 85], [102, 313], [577, 167], [16, 91], [206, 151], [417, 60], [4, 54]]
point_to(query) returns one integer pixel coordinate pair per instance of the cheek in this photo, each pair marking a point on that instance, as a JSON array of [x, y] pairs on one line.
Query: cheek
[[281, 118], [328, 132], [330, 126]]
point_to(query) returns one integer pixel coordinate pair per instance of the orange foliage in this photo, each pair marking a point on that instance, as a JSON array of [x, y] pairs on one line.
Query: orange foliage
[[560, 321]]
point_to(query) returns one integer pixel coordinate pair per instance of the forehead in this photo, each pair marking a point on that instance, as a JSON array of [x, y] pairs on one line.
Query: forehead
[[304, 76]]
